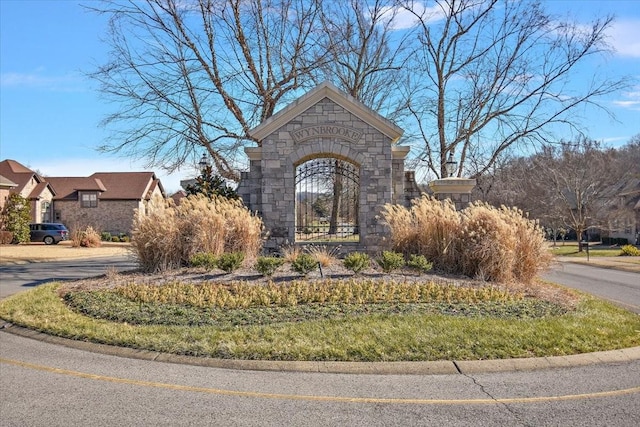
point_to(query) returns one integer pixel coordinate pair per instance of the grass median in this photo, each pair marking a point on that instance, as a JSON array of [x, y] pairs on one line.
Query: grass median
[[435, 322]]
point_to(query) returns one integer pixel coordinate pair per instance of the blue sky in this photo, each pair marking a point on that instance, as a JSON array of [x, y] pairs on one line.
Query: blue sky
[[49, 112]]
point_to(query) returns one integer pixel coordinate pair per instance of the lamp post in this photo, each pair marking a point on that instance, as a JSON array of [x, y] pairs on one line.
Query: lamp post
[[455, 188], [203, 163], [451, 165]]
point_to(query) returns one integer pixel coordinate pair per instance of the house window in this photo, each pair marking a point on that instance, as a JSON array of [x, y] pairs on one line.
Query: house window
[[89, 200], [46, 213]]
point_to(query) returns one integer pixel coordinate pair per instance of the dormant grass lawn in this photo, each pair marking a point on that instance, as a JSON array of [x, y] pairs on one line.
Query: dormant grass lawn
[[497, 324], [571, 249]]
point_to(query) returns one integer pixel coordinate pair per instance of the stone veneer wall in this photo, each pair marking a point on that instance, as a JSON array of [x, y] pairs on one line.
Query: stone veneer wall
[[326, 129], [458, 190], [114, 216]]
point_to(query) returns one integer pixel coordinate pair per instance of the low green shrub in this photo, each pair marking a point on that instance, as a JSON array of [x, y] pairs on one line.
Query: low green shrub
[[115, 239], [357, 261], [304, 264], [630, 250], [419, 263], [242, 294], [267, 265], [204, 259], [230, 261], [390, 261], [105, 236]]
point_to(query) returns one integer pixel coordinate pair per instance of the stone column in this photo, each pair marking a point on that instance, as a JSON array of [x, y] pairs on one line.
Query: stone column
[[458, 190], [398, 153], [250, 186]]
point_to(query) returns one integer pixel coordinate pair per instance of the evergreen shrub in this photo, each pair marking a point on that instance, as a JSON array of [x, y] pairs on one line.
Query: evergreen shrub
[[390, 261], [267, 266], [357, 262], [230, 261]]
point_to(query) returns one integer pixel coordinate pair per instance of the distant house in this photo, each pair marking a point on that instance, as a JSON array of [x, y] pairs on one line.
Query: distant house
[[29, 185], [178, 196], [105, 201], [624, 210]]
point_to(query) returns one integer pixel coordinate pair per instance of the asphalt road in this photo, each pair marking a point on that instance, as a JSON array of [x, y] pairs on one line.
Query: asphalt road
[[20, 277], [51, 385], [620, 287]]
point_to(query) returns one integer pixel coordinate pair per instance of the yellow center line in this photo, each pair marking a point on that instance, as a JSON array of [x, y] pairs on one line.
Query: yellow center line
[[612, 393]]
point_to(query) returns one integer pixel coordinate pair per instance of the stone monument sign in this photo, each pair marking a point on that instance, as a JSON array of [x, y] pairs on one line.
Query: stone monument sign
[[324, 167]]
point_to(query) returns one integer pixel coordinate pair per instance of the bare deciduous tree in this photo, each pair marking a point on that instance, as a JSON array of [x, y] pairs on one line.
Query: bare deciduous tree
[[198, 74], [366, 55], [569, 185], [493, 74]]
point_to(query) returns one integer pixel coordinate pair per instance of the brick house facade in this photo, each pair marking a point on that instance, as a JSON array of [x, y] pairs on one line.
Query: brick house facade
[[31, 186], [106, 201]]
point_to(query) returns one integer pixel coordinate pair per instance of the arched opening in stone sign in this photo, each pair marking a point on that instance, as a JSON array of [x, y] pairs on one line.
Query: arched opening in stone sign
[[327, 201]]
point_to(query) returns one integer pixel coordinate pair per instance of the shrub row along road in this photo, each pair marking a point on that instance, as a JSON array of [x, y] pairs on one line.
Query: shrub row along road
[[52, 385]]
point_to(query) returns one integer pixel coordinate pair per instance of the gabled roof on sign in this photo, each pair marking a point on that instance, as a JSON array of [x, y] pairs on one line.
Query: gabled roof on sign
[[326, 90]]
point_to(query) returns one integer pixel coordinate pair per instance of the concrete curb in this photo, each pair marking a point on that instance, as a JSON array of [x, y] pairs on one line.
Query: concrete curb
[[370, 368]]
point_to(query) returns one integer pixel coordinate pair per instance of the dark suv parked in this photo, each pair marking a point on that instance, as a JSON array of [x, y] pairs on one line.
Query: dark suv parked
[[50, 233]]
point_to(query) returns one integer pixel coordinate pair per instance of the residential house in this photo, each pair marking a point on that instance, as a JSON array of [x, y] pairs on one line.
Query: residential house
[[105, 200], [6, 185], [31, 186], [624, 213], [178, 196]]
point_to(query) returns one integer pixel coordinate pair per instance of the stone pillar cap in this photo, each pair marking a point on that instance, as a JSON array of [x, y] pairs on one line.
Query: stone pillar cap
[[452, 185]]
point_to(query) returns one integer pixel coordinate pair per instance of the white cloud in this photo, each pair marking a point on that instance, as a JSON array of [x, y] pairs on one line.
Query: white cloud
[[625, 37], [38, 80], [401, 19], [630, 101]]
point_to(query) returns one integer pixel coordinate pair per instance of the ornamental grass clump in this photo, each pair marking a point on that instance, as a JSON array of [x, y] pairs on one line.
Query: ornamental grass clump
[[486, 244], [326, 256], [481, 241], [430, 228], [530, 250], [85, 238], [167, 236]]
